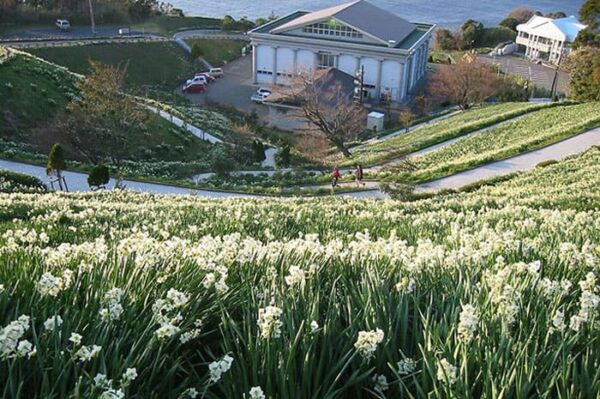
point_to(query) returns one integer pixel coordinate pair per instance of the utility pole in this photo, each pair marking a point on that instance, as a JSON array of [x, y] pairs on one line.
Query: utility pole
[[92, 18], [360, 82], [555, 79]]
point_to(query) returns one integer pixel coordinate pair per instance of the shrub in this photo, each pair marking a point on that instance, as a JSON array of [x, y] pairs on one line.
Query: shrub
[[221, 162], [283, 157], [99, 177], [11, 182]]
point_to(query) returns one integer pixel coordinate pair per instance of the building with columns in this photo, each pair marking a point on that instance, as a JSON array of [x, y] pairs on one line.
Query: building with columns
[[350, 37], [546, 38]]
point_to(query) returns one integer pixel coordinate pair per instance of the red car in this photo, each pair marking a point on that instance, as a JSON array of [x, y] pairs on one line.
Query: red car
[[193, 88], [208, 77]]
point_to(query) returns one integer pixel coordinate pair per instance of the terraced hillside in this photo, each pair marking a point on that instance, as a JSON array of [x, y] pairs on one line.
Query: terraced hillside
[[446, 129], [493, 293], [533, 131], [33, 98]]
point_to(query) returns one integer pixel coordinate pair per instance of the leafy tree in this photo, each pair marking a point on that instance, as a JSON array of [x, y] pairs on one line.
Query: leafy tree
[[555, 15], [510, 23], [99, 177], [587, 38], [228, 23], [584, 66], [589, 13], [98, 123], [258, 149], [221, 162], [283, 157], [472, 33], [56, 164], [444, 39], [465, 83]]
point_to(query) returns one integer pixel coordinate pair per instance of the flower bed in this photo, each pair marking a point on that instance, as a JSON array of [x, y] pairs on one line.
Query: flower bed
[[122, 294]]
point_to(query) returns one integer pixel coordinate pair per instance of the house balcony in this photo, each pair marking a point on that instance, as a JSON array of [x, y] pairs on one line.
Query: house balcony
[[522, 40]]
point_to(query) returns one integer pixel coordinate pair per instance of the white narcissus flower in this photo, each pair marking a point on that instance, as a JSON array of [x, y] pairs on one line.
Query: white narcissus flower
[[256, 393], [446, 372], [52, 322], [367, 342]]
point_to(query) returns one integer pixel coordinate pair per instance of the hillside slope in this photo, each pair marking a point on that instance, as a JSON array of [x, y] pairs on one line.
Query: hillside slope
[[484, 294], [33, 98]]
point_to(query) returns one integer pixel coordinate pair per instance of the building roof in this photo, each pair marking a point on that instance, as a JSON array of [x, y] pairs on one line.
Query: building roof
[[361, 15], [564, 29], [333, 85]]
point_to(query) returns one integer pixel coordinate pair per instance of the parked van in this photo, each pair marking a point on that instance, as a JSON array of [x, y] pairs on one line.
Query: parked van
[[63, 24], [216, 72]]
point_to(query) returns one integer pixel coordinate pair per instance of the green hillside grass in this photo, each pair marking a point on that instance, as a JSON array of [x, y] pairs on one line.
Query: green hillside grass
[[219, 51], [149, 65], [34, 93]]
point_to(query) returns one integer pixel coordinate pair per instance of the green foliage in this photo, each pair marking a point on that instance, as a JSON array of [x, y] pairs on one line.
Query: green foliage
[[472, 34], [217, 51], [510, 23], [11, 182], [99, 177], [143, 70], [283, 157], [56, 159], [585, 74], [589, 13], [221, 162], [491, 37], [258, 149], [444, 39]]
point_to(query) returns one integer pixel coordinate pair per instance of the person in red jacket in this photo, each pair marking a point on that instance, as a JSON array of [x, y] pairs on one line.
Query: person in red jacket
[[336, 175]]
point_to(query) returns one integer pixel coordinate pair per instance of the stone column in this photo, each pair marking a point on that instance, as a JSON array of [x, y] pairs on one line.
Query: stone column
[[254, 64], [274, 65]]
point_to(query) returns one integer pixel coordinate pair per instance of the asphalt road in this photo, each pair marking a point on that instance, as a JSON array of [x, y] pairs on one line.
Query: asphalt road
[[76, 32]]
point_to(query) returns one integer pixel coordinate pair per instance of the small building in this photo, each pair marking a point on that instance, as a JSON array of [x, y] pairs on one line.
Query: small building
[[547, 39], [348, 37]]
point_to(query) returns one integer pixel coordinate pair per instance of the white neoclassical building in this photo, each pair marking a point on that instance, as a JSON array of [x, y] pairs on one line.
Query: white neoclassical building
[[546, 38], [350, 37]]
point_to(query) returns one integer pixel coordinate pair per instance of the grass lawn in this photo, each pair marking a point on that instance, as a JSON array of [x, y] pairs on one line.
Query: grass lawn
[[219, 51], [153, 65], [165, 25]]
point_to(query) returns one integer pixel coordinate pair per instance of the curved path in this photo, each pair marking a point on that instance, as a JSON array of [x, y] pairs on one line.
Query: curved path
[[77, 181], [529, 160]]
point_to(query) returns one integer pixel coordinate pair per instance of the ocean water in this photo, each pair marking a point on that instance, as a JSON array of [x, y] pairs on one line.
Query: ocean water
[[442, 12]]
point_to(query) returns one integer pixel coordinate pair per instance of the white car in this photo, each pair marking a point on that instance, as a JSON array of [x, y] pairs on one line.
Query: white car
[[198, 78], [260, 97], [63, 24], [263, 91]]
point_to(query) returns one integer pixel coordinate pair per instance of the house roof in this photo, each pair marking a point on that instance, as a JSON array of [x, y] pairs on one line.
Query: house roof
[[564, 29], [361, 15]]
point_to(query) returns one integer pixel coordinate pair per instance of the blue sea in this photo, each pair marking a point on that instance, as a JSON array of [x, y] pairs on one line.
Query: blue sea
[[448, 13]]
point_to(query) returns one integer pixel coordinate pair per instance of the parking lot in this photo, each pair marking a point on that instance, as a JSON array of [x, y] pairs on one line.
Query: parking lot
[[540, 75]]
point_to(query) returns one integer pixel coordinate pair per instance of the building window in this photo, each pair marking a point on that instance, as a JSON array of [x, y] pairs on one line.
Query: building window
[[332, 28], [326, 60]]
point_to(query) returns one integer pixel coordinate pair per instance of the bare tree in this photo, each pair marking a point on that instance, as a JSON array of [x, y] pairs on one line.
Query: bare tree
[[328, 107], [465, 83]]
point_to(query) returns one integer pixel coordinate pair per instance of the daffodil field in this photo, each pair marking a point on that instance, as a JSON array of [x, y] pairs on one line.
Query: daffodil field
[[533, 131], [438, 131], [491, 294]]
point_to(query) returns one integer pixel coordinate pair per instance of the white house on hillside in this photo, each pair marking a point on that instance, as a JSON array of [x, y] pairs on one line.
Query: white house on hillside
[[546, 38], [348, 37]]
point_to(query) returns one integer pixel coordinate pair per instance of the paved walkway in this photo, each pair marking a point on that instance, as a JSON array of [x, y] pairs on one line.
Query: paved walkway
[[196, 131], [77, 182], [557, 151]]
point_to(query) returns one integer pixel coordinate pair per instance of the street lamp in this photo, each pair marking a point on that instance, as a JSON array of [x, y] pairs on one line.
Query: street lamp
[[360, 82]]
